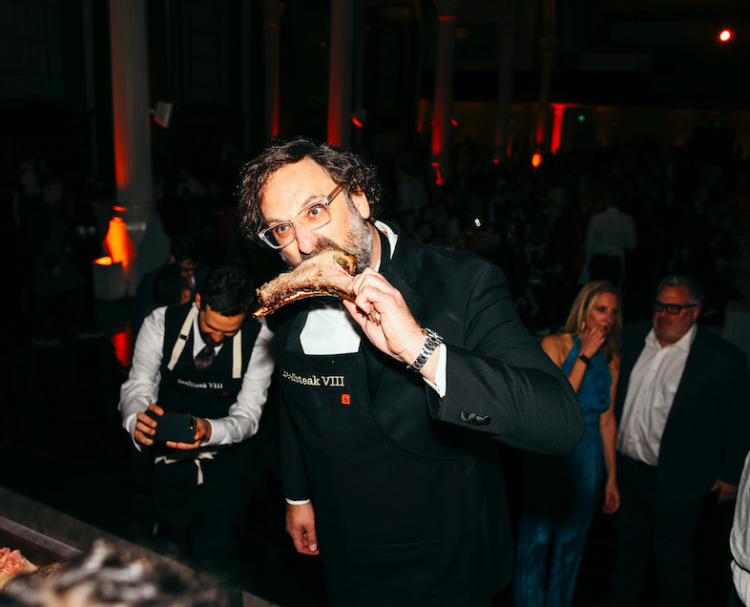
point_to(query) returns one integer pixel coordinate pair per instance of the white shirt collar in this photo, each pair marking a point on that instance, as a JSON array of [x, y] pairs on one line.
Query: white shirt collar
[[390, 235]]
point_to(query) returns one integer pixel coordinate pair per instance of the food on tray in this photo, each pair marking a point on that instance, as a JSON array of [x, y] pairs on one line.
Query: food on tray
[[13, 563]]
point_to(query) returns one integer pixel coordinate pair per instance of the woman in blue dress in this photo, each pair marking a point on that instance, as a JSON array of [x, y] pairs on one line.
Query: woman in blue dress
[[560, 492]]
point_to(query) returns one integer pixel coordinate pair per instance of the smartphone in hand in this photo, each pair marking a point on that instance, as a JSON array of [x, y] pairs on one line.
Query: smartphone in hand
[[176, 427]]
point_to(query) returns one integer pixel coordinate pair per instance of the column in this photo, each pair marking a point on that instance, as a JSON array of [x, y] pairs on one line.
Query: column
[[508, 26], [272, 10], [548, 43], [441, 120], [340, 73], [88, 62], [131, 119]]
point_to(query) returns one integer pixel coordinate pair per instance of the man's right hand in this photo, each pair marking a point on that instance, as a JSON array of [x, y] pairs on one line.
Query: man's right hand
[[145, 427], [300, 524]]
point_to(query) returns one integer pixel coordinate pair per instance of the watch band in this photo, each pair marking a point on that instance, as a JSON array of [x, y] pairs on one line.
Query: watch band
[[586, 360], [432, 342]]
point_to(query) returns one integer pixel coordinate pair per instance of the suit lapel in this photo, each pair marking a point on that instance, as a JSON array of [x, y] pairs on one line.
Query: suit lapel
[[397, 270], [694, 366]]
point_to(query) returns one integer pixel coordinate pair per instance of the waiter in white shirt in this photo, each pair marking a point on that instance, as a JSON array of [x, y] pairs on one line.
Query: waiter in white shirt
[[205, 359], [683, 431]]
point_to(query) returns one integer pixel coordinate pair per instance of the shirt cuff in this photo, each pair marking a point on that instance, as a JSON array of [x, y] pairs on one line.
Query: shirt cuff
[[296, 502], [440, 385]]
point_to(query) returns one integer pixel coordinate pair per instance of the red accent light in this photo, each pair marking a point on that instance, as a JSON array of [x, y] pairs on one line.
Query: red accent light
[[454, 122], [536, 160], [496, 160], [559, 109], [539, 132], [446, 18], [122, 347], [357, 122], [725, 36]]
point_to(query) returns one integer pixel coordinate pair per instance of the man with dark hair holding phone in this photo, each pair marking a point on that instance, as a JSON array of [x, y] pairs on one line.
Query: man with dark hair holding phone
[[207, 366]]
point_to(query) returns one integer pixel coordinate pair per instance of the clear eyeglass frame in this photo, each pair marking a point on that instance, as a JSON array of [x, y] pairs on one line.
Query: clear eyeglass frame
[[302, 218]]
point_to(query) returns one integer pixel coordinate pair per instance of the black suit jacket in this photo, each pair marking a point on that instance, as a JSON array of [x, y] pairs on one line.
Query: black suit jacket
[[707, 434], [500, 386]]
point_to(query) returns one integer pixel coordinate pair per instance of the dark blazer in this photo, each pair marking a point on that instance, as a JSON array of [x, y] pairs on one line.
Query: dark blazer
[[707, 434], [501, 386]]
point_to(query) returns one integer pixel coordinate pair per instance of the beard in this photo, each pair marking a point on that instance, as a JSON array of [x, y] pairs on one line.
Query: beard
[[357, 242]]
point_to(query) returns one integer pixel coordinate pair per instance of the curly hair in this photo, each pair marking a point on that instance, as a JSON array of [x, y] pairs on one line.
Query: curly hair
[[346, 168], [582, 306]]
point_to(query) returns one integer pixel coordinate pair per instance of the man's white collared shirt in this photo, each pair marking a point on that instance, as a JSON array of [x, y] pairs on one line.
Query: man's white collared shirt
[[651, 390]]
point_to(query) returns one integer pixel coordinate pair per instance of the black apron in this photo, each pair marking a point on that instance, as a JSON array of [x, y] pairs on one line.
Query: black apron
[[217, 478], [383, 513]]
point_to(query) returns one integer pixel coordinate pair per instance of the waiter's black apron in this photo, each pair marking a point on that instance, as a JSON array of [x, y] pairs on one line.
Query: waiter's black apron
[[229, 472], [385, 515]]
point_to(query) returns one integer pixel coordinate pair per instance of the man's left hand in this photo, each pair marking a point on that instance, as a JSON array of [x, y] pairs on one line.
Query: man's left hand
[[202, 434], [726, 492], [398, 334]]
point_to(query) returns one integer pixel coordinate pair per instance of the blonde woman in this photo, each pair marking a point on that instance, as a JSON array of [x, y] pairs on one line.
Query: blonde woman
[[560, 492]]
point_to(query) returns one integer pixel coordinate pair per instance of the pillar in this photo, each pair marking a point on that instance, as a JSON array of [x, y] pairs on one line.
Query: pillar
[[548, 43], [273, 10], [340, 73], [131, 120], [508, 26], [441, 120]]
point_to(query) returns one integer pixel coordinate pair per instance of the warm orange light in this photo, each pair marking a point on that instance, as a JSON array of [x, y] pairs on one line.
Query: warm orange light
[[536, 159], [103, 261], [725, 35], [118, 243]]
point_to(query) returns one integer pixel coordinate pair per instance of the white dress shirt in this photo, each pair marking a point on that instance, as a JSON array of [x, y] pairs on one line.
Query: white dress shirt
[[739, 541], [653, 384], [142, 385]]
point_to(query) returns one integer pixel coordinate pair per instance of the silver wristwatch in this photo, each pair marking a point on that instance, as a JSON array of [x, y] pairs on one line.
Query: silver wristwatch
[[432, 342]]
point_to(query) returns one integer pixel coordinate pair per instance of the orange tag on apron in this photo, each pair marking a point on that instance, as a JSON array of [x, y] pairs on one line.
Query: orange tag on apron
[[346, 399]]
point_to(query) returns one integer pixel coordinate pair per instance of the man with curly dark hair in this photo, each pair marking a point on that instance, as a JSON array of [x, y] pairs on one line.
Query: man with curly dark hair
[[390, 405]]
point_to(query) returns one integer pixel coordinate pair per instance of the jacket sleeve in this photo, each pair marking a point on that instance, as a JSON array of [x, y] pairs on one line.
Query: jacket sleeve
[[500, 381]]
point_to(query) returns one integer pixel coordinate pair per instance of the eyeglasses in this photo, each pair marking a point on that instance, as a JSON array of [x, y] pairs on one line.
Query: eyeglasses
[[673, 309], [313, 217]]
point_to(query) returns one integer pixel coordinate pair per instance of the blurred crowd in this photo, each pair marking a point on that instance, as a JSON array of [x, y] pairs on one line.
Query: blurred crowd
[[688, 210]]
